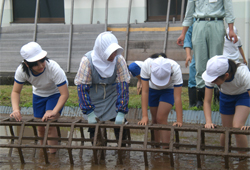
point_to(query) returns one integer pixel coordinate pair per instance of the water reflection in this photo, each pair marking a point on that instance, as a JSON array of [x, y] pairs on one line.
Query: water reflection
[[131, 160]]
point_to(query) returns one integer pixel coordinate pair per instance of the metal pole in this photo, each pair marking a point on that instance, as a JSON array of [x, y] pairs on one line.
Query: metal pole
[[35, 24], [106, 15], [92, 11], [70, 36], [127, 33], [1, 18], [182, 9], [167, 22]]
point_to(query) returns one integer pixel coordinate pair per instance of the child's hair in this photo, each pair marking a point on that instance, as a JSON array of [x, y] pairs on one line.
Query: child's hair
[[156, 55], [231, 69], [31, 64]]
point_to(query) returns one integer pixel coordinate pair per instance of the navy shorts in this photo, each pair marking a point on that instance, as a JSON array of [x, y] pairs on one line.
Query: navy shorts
[[157, 96], [229, 102], [42, 104]]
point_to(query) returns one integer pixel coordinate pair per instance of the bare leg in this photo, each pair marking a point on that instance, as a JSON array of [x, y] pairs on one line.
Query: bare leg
[[240, 117], [162, 118], [52, 133], [227, 121], [153, 111]]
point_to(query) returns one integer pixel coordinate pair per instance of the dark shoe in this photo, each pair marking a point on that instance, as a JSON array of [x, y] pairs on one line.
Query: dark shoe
[[200, 97], [192, 96], [199, 104]]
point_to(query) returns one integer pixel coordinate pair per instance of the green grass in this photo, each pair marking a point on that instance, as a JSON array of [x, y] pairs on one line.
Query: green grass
[[134, 99]]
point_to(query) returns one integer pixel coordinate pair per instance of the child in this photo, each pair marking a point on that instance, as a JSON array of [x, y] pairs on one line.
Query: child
[[50, 90], [103, 83], [233, 51], [135, 69], [233, 81], [161, 88]]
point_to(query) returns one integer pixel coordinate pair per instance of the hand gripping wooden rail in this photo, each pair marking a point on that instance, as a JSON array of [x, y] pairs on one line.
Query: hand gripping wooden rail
[[100, 140]]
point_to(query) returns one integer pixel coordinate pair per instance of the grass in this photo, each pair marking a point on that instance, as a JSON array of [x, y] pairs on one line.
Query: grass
[[134, 99]]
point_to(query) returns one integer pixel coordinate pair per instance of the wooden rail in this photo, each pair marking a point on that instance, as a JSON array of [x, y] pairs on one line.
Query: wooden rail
[[100, 140]]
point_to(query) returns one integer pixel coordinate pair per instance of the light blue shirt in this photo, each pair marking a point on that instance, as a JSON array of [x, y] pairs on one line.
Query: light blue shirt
[[208, 8]]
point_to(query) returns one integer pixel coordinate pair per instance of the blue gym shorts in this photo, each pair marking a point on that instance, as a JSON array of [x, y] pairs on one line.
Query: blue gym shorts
[[157, 96], [229, 102], [42, 104]]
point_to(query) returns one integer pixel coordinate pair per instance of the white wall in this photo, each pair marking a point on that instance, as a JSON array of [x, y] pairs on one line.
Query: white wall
[[241, 22], [7, 13], [117, 11]]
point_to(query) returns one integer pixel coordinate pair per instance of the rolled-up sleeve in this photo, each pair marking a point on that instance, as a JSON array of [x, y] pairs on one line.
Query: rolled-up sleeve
[[229, 15], [188, 20]]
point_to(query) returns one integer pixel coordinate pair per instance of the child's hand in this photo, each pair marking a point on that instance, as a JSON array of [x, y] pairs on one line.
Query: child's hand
[[144, 121], [17, 115], [50, 115], [245, 128], [245, 62], [178, 124], [210, 125]]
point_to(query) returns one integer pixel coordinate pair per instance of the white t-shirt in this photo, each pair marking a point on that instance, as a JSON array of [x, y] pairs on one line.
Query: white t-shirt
[[175, 79], [139, 63], [231, 50], [238, 85], [45, 84]]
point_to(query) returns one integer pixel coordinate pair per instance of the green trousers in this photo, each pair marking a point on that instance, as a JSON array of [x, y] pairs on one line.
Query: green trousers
[[208, 41]]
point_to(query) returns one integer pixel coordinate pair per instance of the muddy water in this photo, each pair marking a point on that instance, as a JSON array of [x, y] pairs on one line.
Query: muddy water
[[131, 160]]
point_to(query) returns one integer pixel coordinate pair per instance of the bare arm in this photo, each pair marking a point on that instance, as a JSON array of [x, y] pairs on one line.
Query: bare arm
[[232, 33], [144, 102], [53, 114], [207, 108], [15, 100], [243, 55], [139, 85], [188, 54], [181, 38], [178, 106]]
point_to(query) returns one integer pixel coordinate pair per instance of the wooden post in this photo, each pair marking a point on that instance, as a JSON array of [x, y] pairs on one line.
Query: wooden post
[[182, 9], [166, 31], [35, 23], [127, 31], [70, 36], [92, 10], [106, 15]]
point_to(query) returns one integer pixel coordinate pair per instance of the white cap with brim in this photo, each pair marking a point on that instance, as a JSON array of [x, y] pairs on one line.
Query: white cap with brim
[[112, 48], [216, 66], [32, 52], [160, 71]]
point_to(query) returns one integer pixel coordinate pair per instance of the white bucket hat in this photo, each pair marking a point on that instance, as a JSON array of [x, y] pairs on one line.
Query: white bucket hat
[[32, 52], [160, 71], [216, 66]]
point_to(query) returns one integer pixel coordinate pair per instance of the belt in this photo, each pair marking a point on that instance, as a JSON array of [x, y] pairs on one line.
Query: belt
[[209, 19]]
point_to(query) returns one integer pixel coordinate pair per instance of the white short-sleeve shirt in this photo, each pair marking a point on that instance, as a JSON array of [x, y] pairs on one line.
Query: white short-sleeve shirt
[[231, 50], [139, 63], [175, 79], [239, 84], [46, 83]]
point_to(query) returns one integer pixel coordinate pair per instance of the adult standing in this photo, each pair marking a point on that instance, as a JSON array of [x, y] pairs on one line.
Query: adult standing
[[208, 31]]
